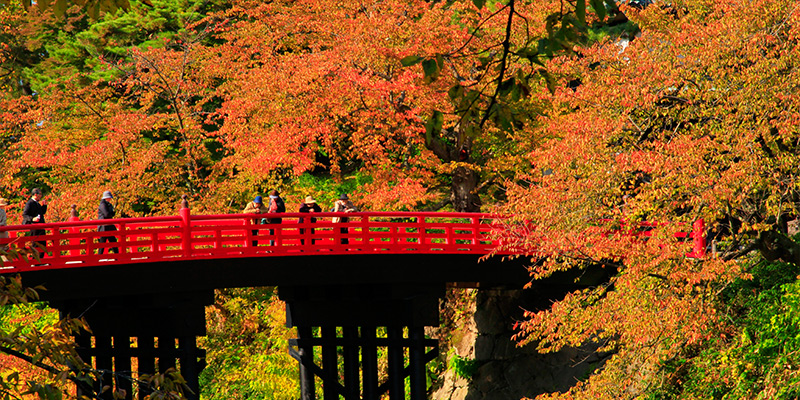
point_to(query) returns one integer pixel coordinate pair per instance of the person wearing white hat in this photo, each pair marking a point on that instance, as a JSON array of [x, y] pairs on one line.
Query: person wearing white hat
[[343, 205], [106, 211], [309, 206]]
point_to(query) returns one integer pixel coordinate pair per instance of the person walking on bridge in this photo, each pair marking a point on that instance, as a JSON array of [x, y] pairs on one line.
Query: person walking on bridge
[[276, 205], [255, 207], [106, 211], [33, 213], [309, 206]]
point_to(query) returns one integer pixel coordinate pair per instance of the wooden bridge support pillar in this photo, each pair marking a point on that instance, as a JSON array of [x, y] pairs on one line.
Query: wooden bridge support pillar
[[376, 322], [141, 335]]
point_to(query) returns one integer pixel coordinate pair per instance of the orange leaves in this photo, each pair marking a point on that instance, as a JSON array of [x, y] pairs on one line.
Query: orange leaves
[[695, 118], [324, 81]]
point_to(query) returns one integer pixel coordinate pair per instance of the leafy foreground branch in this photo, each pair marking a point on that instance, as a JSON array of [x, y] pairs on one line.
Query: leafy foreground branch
[[760, 358], [44, 360]]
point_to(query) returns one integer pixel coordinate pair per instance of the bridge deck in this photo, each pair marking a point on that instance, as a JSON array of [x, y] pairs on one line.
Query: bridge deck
[[200, 252]]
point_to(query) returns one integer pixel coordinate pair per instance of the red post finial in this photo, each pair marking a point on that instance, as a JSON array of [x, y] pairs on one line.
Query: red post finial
[[186, 238]]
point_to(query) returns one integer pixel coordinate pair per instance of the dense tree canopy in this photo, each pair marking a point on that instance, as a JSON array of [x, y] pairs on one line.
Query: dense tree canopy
[[694, 119], [255, 95], [533, 108]]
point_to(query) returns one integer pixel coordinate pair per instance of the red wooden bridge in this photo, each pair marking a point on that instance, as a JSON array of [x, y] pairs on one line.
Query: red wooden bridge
[[340, 281], [183, 237], [76, 243]]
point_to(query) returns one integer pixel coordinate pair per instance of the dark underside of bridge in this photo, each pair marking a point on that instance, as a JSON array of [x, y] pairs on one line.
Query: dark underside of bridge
[[345, 308]]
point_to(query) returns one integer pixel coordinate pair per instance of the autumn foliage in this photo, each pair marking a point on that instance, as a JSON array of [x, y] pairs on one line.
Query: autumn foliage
[[694, 119], [586, 133], [256, 95]]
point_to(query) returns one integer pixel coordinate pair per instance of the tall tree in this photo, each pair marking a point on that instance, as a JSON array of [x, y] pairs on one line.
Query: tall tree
[[695, 119], [308, 86], [144, 126]]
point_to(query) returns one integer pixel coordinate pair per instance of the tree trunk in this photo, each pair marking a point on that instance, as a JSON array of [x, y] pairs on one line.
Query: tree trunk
[[463, 195], [774, 245]]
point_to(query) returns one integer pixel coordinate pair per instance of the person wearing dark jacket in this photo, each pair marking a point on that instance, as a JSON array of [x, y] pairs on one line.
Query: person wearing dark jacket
[[106, 211], [34, 212], [276, 205], [309, 206]]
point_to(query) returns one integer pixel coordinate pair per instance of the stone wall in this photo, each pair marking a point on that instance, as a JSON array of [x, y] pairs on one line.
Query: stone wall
[[505, 371]]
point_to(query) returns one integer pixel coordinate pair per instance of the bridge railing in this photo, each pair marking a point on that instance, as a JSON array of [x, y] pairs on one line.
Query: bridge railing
[[186, 236]]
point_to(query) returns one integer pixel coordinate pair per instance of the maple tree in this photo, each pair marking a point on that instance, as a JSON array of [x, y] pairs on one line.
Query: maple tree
[[217, 113], [695, 119], [80, 109], [336, 89]]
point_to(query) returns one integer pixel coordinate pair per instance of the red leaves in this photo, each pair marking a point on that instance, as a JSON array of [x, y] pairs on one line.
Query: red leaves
[[688, 121]]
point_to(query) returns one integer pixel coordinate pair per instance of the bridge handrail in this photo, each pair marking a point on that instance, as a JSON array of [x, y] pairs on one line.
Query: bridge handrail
[[187, 236], [176, 218], [89, 223]]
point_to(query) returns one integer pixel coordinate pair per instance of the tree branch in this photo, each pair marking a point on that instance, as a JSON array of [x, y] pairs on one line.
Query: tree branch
[[78, 382], [503, 61]]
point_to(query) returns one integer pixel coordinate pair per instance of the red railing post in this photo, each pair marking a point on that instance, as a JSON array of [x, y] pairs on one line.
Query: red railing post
[[186, 238], [450, 232], [421, 223], [476, 231], [122, 238], [699, 238], [365, 232]]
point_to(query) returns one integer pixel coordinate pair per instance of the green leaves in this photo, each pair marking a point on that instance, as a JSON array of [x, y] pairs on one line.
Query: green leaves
[[246, 344], [92, 7], [410, 60], [433, 126], [455, 91], [431, 66], [44, 391], [599, 8], [549, 80]]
